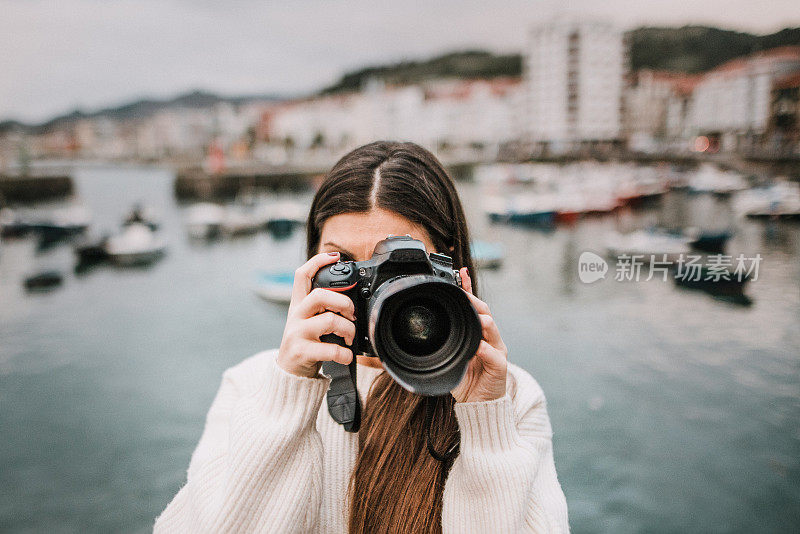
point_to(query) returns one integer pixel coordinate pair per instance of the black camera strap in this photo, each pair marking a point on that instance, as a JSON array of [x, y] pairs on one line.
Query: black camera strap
[[343, 402]]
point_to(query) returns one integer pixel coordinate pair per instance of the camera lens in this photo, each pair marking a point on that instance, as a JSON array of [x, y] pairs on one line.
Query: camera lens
[[421, 327], [424, 330]]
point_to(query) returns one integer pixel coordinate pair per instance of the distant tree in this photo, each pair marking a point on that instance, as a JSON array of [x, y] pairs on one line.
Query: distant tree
[[467, 64], [696, 49]]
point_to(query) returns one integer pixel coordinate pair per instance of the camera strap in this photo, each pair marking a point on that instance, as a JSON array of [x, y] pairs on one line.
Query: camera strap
[[343, 402]]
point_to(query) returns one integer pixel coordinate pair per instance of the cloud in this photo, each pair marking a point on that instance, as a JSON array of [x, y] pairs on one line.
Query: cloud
[[92, 53]]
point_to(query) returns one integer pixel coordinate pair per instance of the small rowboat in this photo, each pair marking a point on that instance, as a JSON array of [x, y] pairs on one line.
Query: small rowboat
[[275, 286]]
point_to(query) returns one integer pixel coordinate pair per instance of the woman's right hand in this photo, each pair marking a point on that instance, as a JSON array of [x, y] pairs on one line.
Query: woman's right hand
[[314, 313]]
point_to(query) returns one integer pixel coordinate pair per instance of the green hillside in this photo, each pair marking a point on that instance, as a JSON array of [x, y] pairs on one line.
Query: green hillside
[[698, 48], [468, 64]]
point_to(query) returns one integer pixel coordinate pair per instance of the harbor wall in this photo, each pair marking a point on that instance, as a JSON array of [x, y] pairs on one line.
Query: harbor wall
[[196, 184], [34, 188]]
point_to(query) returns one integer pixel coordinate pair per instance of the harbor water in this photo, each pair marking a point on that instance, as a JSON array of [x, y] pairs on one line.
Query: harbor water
[[672, 411]]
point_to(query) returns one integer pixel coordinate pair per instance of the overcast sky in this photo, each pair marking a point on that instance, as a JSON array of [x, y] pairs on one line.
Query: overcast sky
[[60, 55]]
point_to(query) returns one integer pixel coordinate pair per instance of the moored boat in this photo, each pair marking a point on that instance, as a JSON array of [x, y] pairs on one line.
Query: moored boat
[[528, 211], [274, 286], [12, 225], [722, 284], [640, 191], [647, 245], [709, 241], [284, 217], [778, 201], [239, 222], [204, 220], [43, 281], [709, 179], [141, 214], [61, 224], [712, 241], [136, 245], [486, 255], [91, 249], [526, 217]]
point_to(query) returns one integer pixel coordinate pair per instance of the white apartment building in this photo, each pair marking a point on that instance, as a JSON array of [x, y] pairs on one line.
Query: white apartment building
[[187, 132], [679, 107], [574, 76], [732, 101], [477, 114], [646, 109]]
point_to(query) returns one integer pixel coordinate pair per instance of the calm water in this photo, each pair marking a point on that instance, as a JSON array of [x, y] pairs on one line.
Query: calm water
[[672, 411]]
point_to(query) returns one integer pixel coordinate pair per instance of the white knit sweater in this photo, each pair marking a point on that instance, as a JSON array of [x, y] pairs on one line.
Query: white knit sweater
[[271, 460]]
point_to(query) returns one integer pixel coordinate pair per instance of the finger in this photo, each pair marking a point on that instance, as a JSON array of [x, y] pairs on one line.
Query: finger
[[490, 331], [478, 304], [321, 300], [466, 281], [327, 352], [304, 273], [329, 323], [491, 359]]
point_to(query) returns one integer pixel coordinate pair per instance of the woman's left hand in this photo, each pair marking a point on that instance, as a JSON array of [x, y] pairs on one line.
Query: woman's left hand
[[485, 378]]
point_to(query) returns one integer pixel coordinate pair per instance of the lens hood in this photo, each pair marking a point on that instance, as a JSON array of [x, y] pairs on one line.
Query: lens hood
[[425, 331]]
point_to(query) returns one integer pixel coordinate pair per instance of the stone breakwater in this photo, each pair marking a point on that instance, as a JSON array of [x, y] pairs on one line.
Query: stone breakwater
[[197, 184], [35, 187]]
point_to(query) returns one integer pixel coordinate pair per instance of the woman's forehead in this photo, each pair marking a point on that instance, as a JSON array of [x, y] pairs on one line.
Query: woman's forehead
[[358, 233]]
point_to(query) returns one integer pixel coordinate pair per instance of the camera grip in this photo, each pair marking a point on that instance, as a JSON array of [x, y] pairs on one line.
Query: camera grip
[[333, 338], [344, 405], [340, 277]]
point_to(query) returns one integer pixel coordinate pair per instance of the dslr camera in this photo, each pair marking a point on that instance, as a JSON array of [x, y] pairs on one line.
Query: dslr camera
[[410, 312]]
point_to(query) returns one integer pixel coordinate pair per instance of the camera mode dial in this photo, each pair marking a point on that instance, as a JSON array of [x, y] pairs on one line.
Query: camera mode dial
[[340, 269]]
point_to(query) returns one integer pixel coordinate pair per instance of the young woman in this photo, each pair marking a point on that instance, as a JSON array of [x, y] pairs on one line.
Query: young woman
[[271, 458]]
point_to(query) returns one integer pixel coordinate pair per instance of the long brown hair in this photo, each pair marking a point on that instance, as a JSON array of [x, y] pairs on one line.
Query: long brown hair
[[398, 482]]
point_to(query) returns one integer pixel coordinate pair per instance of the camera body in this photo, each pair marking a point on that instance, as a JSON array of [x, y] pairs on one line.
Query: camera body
[[410, 312]]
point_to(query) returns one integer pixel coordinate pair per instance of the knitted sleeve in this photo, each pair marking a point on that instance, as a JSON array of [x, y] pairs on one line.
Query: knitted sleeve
[[258, 465], [504, 479]]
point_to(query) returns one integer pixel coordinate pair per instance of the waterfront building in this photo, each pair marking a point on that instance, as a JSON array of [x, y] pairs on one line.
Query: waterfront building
[[574, 79], [646, 117], [460, 119], [679, 104], [783, 131], [731, 103]]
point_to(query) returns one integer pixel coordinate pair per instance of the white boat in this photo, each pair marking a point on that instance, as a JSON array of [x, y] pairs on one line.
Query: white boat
[[12, 225], [136, 245], [710, 179], [284, 216], [204, 220], [275, 287], [530, 209], [237, 222], [486, 255], [646, 244], [640, 187], [59, 225], [598, 201], [75, 216], [779, 201]]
